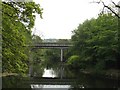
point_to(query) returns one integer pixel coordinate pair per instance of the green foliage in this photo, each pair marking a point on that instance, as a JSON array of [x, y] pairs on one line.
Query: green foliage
[[51, 57], [63, 41], [36, 39], [38, 69], [75, 62], [12, 82], [37, 53], [95, 41], [73, 59], [17, 20]]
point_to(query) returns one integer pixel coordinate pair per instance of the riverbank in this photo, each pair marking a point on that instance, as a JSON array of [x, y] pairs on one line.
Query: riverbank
[[111, 73], [7, 74], [15, 80]]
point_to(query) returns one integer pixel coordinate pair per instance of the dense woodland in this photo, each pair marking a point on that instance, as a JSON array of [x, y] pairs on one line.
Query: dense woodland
[[95, 41]]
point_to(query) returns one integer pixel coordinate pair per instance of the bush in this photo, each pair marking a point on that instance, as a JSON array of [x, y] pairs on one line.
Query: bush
[[75, 62]]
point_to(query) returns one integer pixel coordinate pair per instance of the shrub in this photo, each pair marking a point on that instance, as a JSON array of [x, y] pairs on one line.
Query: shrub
[[75, 62]]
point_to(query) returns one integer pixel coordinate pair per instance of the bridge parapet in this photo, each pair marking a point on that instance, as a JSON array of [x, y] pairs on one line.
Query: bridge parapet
[[51, 45]]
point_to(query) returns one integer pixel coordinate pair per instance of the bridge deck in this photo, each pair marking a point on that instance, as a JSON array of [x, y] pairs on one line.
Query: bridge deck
[[51, 45]]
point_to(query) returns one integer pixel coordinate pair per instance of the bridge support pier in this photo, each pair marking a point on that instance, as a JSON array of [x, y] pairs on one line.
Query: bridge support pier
[[61, 54]]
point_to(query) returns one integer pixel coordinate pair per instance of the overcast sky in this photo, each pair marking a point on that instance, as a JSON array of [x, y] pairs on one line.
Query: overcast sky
[[61, 17]]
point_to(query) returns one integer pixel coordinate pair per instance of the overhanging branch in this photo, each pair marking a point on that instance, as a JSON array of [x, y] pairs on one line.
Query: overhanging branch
[[111, 9]]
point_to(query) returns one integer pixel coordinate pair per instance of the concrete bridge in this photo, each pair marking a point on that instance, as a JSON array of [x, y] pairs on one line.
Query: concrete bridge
[[60, 46], [51, 45]]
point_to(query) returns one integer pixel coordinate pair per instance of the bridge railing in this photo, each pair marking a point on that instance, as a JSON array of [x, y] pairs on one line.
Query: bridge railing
[[53, 44], [50, 45]]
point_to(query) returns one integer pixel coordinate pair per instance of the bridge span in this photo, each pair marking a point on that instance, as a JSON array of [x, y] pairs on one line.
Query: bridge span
[[60, 46], [51, 45]]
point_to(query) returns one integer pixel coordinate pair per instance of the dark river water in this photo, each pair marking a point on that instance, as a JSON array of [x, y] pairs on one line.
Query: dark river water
[[57, 78]]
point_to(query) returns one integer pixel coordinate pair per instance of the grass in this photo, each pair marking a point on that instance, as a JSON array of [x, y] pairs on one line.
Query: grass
[[7, 74]]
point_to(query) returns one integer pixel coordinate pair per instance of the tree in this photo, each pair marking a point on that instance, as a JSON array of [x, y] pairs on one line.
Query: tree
[[37, 53], [95, 41], [17, 19], [51, 57]]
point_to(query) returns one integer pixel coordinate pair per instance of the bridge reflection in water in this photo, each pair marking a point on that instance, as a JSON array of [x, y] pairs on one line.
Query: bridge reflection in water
[[49, 80], [52, 81]]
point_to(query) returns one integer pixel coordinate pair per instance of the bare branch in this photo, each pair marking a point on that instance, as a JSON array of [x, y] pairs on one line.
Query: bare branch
[[110, 9], [116, 5]]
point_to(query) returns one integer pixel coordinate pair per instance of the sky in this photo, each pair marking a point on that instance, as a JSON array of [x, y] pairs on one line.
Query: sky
[[61, 17]]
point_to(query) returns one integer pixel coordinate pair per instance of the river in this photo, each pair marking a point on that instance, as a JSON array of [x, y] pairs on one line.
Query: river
[[58, 78]]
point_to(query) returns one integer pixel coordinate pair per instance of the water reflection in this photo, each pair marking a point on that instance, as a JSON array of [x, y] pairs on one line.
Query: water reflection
[[49, 73], [50, 87], [56, 77], [81, 80], [15, 82]]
